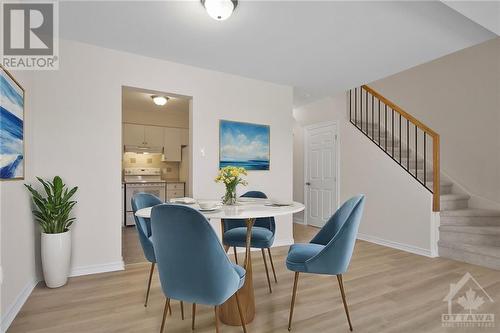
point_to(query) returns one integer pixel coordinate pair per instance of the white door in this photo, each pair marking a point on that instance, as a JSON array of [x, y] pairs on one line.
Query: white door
[[320, 173]]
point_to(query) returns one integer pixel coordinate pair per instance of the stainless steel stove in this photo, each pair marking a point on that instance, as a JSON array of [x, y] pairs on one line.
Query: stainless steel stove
[[138, 180]]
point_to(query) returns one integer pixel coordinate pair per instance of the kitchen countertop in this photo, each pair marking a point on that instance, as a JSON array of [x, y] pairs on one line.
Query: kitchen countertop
[[167, 181]]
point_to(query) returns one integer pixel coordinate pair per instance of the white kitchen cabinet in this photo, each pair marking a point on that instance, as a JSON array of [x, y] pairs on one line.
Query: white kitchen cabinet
[[141, 135], [172, 144], [185, 137], [175, 190], [133, 135], [153, 136]]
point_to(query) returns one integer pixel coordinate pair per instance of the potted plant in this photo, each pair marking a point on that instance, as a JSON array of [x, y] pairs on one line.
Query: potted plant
[[52, 212], [231, 176]]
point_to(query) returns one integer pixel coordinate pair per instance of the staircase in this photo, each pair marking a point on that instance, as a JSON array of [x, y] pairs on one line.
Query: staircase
[[465, 234]]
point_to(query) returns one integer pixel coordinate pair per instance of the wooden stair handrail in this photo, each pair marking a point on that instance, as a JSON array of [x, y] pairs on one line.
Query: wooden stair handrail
[[399, 110], [436, 186]]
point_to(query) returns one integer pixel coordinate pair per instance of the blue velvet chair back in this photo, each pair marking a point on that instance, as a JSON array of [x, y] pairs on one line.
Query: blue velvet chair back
[[264, 222], [192, 264], [139, 201], [338, 236]]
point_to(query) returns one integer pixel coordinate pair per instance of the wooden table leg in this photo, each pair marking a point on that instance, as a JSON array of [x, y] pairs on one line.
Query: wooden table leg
[[228, 313]]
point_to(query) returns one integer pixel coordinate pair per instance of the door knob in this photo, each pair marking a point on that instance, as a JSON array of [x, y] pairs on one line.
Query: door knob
[[308, 183]]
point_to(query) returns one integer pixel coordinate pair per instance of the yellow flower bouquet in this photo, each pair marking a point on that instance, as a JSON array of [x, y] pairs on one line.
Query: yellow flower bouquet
[[231, 176]]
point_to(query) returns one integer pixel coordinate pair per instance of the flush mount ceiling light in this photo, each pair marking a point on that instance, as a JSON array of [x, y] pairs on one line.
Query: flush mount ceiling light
[[220, 10], [159, 100]]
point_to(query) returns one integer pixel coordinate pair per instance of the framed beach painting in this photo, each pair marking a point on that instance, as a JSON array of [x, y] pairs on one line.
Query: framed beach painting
[[244, 145], [11, 127]]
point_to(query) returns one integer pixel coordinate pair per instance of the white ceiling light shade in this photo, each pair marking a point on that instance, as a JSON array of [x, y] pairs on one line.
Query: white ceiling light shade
[[220, 10], [159, 100]]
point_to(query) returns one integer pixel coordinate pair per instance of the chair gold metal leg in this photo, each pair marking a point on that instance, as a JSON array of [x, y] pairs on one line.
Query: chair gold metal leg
[[149, 283], [295, 282], [182, 310], [235, 255], [267, 271], [193, 315], [165, 310], [341, 285], [272, 264], [216, 310], [241, 313], [226, 247]]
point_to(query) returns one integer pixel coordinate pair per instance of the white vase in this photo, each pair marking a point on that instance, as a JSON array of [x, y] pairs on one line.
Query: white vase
[[56, 257]]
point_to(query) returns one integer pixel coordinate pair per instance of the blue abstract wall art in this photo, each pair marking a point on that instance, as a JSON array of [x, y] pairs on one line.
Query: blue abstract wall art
[[11, 127], [244, 145]]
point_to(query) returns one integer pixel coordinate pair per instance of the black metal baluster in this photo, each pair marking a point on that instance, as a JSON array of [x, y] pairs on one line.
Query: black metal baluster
[[366, 101], [400, 138], [379, 122], [361, 108], [350, 104], [392, 119], [356, 106], [425, 157], [407, 145], [373, 120], [385, 128], [416, 147]]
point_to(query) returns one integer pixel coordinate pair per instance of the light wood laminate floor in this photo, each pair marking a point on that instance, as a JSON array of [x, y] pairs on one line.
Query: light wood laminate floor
[[387, 291]]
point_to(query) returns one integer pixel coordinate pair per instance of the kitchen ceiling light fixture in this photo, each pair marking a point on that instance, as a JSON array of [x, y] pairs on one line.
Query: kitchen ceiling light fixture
[[159, 100], [220, 10]]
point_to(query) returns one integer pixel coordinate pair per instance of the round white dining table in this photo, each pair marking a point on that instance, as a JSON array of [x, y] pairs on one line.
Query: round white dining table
[[249, 210]]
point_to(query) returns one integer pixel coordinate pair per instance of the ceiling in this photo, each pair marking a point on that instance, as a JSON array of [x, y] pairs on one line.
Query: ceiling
[[320, 48], [485, 13], [135, 99]]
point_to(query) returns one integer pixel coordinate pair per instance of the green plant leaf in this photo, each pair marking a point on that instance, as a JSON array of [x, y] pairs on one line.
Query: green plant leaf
[[52, 210]]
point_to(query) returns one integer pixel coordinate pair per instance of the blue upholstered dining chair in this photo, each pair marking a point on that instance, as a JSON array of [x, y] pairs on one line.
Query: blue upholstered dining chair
[[143, 225], [263, 231], [330, 251], [192, 264]]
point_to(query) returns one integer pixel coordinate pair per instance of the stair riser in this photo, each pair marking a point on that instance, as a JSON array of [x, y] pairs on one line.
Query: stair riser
[[470, 220], [469, 238], [454, 204], [469, 257], [445, 189]]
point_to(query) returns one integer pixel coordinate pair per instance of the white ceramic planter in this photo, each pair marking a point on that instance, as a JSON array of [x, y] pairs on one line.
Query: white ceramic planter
[[56, 257]]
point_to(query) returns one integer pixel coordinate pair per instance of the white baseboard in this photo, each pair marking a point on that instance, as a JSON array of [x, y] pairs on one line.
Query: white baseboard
[[396, 245], [96, 269], [10, 314], [298, 220]]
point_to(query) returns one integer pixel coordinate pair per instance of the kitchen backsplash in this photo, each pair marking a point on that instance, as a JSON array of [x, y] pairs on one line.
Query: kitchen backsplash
[[169, 170]]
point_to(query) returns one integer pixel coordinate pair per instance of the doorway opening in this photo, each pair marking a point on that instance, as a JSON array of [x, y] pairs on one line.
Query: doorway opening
[[156, 157]]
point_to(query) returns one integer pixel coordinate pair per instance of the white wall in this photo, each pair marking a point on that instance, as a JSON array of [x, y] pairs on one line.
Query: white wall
[[77, 118], [398, 209], [459, 97], [19, 234], [298, 168]]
